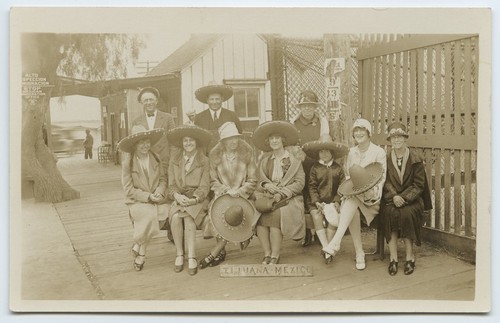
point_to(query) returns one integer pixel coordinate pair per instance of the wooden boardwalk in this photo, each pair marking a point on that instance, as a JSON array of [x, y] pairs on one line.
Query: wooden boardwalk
[[100, 231]]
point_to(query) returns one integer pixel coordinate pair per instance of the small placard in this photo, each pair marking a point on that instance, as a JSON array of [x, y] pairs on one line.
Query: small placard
[[283, 270]]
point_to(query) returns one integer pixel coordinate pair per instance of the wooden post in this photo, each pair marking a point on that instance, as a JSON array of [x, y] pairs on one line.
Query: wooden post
[[338, 83]]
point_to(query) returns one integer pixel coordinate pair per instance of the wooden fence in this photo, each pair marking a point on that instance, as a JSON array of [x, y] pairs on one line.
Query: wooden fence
[[429, 82]]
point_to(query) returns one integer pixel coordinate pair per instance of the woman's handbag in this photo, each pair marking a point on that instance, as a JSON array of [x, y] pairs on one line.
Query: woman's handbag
[[267, 205]]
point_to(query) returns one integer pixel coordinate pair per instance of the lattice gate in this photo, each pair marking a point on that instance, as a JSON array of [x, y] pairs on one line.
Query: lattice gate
[[430, 83]]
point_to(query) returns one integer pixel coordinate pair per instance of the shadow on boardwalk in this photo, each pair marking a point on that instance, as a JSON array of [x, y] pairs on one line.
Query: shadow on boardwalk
[[100, 233]]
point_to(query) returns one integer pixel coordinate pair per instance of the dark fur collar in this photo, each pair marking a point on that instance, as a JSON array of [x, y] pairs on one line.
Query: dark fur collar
[[244, 152]]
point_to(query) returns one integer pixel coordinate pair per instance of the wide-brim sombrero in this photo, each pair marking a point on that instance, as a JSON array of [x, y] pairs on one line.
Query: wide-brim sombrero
[[128, 143], [283, 128], [203, 92], [361, 179], [176, 135], [313, 148], [241, 232]]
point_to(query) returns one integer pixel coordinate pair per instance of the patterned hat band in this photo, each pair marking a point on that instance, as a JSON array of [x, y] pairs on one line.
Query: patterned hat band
[[397, 132]]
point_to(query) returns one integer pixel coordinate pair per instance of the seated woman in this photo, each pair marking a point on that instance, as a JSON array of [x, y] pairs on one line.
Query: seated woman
[[188, 188], [232, 171], [324, 180], [406, 195], [368, 204], [281, 178], [144, 183]]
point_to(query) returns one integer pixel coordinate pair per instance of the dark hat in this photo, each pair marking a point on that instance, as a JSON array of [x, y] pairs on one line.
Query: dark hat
[[128, 143], [203, 92], [313, 148], [201, 135], [283, 128], [361, 179], [149, 89], [396, 129], [306, 98], [233, 218]]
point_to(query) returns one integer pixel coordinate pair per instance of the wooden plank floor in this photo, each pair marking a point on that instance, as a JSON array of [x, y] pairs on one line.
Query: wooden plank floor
[[100, 231]]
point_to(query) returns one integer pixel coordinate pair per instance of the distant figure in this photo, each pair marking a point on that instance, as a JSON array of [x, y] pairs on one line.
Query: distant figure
[[45, 135], [87, 144], [191, 114]]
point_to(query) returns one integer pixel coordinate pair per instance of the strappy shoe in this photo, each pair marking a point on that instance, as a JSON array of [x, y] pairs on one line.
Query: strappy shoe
[[205, 262], [275, 260], [192, 270], [409, 267], [393, 268], [266, 260], [219, 259], [133, 252], [139, 266], [332, 252], [178, 268]]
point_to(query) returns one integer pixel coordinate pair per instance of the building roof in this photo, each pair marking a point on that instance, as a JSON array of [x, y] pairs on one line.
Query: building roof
[[186, 54]]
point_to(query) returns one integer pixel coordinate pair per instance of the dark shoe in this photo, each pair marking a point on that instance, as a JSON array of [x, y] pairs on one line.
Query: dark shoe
[[205, 262], [193, 270], [139, 266], [178, 268], [275, 260], [393, 268], [409, 267], [266, 260], [219, 259], [244, 244], [328, 259], [307, 239]]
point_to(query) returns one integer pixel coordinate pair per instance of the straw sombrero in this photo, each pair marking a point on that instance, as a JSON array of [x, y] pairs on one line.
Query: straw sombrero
[[313, 148], [128, 143], [201, 135], [203, 92], [283, 128], [233, 218], [361, 179]]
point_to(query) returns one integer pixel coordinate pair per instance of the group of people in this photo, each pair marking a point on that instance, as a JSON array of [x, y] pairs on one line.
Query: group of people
[[205, 176]]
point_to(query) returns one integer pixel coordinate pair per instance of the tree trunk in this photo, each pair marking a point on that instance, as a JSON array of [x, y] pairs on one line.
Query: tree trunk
[[37, 162]]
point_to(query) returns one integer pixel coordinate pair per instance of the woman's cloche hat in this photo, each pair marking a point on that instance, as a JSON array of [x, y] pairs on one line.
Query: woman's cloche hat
[[138, 133], [362, 123], [313, 148], [306, 98], [203, 92], [282, 128], [177, 134], [148, 89], [228, 130], [233, 218], [396, 129], [361, 179]]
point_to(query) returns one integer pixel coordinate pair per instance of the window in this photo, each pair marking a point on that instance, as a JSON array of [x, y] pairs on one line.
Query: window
[[246, 102]]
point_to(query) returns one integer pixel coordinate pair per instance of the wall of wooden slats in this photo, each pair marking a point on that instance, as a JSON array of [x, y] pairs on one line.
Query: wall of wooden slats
[[429, 82]]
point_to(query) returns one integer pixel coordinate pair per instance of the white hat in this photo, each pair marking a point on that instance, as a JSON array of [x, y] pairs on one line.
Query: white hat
[[228, 130], [362, 123]]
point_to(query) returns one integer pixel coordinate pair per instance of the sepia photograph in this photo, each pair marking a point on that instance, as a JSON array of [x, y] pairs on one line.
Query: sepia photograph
[[250, 160]]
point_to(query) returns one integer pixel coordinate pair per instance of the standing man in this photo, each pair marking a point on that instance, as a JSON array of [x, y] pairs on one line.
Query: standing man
[[152, 118], [87, 144], [211, 119]]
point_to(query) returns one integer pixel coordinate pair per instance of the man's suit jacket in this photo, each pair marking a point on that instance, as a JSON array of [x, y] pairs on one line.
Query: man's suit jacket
[[161, 148], [205, 120]]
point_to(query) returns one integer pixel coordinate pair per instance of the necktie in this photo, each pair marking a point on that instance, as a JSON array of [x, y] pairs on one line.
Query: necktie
[[186, 165], [151, 114], [215, 117]]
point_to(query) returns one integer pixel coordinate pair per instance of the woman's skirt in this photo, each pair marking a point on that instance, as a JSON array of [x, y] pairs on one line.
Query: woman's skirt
[[145, 219], [290, 219], [406, 220], [197, 212]]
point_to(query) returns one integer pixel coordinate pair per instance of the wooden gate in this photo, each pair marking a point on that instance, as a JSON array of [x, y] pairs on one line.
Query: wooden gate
[[430, 82]]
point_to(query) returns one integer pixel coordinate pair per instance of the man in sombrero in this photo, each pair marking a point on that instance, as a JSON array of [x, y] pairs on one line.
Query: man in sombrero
[[215, 116]]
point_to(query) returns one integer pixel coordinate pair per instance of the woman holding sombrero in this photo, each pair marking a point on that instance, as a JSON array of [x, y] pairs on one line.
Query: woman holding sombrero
[[362, 191], [232, 172], [188, 188], [406, 196], [280, 179], [144, 183], [324, 180]]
